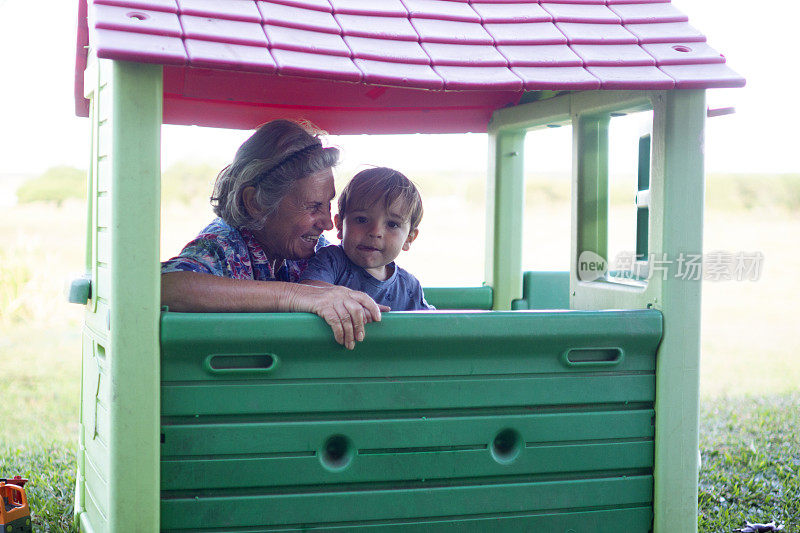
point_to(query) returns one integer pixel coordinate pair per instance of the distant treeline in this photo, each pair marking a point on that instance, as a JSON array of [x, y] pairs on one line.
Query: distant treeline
[[55, 185], [187, 182], [182, 182], [724, 192], [753, 191]]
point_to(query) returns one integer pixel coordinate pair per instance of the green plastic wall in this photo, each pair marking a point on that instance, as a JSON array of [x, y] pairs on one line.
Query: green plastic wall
[[443, 421], [459, 297], [543, 290]]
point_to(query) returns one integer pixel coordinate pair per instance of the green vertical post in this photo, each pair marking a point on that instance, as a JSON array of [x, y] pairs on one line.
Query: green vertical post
[[643, 211], [135, 297], [590, 159], [677, 376], [505, 201]]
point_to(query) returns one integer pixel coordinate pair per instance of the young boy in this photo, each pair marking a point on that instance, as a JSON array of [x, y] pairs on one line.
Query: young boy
[[379, 211]]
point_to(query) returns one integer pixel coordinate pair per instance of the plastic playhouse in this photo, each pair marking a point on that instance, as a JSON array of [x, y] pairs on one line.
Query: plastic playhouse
[[538, 401]]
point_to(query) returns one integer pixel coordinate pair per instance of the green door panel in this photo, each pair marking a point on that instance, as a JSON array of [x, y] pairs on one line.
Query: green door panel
[[630, 519], [437, 420]]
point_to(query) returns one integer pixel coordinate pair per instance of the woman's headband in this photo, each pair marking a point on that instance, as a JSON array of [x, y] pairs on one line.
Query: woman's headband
[[291, 157]]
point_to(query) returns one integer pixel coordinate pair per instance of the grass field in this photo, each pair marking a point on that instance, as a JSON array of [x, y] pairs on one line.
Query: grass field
[[750, 448], [750, 373]]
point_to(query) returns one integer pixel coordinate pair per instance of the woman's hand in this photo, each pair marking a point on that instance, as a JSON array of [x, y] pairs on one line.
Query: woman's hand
[[345, 310]]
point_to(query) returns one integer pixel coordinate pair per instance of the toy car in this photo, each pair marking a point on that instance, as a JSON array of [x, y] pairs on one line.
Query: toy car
[[15, 515]]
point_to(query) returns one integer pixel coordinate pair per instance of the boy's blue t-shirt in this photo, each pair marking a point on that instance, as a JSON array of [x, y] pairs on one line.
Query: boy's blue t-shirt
[[401, 291]]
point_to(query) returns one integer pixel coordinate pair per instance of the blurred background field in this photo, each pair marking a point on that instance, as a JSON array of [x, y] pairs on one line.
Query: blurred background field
[[749, 346]]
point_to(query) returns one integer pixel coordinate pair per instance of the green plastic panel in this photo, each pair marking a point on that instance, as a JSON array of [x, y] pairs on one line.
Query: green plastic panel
[[396, 393], [459, 297], [443, 421], [357, 505], [633, 518], [544, 290], [642, 233]]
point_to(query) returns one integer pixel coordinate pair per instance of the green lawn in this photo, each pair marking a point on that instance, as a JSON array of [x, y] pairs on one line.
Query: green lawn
[[750, 447], [50, 471]]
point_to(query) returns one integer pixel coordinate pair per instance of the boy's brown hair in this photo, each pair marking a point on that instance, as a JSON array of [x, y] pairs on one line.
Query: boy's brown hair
[[381, 183]]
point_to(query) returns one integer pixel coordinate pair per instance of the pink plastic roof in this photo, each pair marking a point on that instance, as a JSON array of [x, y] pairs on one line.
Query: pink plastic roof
[[391, 66]]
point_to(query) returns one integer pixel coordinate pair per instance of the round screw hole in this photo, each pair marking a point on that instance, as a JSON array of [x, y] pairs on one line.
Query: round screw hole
[[336, 453], [681, 48], [506, 446], [135, 15]]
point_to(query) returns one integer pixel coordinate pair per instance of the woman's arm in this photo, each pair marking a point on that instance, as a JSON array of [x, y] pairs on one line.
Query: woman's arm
[[345, 310]]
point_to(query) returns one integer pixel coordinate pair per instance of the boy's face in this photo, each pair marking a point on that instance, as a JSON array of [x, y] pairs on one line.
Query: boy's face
[[373, 236]]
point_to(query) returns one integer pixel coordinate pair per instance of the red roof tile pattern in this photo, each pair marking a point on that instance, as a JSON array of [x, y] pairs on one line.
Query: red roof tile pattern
[[367, 65]]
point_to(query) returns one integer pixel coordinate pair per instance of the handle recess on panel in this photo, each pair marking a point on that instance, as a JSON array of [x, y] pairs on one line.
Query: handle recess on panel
[[241, 363], [579, 357]]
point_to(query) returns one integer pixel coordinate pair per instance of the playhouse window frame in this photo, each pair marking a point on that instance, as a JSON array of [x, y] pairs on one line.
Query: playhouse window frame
[[589, 114]]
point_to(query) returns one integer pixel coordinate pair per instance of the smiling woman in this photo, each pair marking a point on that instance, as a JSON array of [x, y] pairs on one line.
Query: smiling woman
[[273, 203]]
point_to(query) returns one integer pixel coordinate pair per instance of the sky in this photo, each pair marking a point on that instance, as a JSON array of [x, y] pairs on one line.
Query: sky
[[38, 127]]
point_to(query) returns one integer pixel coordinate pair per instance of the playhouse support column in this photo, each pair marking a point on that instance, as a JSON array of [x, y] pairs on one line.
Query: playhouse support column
[[135, 305], [678, 361], [505, 201], [590, 144], [118, 465]]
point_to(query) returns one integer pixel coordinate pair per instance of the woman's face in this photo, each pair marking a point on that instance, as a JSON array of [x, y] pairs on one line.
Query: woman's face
[[292, 231]]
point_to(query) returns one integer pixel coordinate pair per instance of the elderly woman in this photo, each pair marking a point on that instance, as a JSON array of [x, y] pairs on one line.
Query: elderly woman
[[273, 203]]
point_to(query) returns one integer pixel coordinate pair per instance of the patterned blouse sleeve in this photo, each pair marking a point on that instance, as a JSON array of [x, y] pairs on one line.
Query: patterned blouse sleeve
[[204, 254]]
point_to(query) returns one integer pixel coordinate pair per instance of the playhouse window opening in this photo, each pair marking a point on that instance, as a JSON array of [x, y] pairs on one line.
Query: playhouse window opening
[[548, 189], [449, 170], [191, 158], [628, 194]]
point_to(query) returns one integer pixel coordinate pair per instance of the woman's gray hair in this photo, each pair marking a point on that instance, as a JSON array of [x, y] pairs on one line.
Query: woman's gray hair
[[279, 153]]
